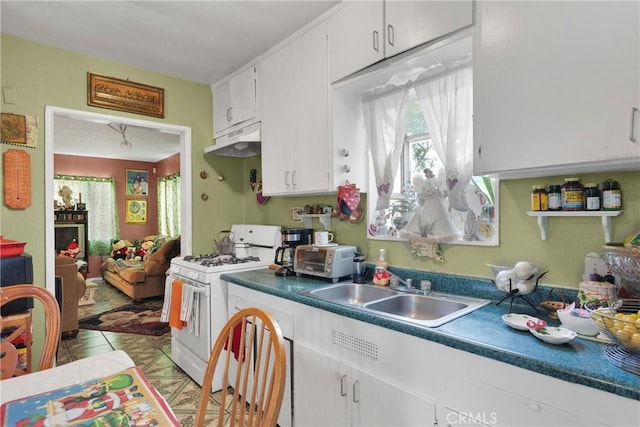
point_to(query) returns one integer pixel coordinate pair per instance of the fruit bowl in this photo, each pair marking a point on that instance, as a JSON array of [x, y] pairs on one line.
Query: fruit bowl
[[619, 320]]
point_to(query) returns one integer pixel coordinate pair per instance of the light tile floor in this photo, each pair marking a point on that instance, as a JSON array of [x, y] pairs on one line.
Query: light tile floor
[[152, 354]]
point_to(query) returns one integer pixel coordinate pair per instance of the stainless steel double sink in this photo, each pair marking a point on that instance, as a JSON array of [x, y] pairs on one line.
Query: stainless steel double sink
[[431, 310]]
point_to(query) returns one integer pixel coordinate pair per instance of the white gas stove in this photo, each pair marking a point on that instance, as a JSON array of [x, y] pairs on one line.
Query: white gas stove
[[201, 274]]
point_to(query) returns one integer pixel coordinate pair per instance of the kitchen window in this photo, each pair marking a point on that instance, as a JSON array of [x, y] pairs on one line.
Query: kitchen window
[[420, 137]]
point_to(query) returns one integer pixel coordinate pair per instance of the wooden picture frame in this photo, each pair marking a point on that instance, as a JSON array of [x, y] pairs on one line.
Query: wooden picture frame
[[137, 182], [136, 211], [124, 95]]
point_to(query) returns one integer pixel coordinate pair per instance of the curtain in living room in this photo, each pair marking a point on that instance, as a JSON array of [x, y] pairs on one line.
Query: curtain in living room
[[99, 197], [169, 205]]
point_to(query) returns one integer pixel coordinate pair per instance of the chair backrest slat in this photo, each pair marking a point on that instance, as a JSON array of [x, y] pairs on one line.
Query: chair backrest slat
[[260, 373]]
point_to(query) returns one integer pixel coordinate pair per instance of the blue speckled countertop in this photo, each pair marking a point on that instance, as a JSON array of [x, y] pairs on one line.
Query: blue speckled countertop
[[481, 332]]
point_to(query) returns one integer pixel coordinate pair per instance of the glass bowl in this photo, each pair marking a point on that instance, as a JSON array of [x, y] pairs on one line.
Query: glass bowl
[[625, 262], [619, 320]]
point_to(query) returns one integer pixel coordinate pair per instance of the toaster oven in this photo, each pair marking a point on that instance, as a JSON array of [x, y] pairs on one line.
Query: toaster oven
[[329, 262]]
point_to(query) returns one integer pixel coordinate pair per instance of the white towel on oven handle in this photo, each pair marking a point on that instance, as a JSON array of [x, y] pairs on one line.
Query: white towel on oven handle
[[193, 325], [190, 308], [187, 300], [166, 305]]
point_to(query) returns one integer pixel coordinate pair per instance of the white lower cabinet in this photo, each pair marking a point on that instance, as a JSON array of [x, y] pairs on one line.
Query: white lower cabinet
[[348, 372], [329, 392]]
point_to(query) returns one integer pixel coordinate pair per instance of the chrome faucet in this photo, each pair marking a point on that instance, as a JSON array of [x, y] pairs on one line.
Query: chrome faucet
[[406, 285]]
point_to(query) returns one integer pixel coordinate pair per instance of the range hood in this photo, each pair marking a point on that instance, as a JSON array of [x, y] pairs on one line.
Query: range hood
[[243, 142]]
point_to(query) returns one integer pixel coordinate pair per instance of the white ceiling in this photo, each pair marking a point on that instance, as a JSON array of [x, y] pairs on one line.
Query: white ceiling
[[201, 41]]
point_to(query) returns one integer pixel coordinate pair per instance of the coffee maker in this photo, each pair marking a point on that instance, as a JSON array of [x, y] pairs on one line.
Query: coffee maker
[[291, 238]]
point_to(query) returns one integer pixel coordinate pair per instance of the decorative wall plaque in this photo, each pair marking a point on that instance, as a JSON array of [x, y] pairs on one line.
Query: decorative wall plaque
[[124, 95]]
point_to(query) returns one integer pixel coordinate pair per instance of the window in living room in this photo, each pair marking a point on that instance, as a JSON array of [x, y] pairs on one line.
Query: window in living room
[[169, 205], [98, 196]]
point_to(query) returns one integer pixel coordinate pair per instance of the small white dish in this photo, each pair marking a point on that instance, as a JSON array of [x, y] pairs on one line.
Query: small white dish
[[554, 335], [327, 245], [518, 321]]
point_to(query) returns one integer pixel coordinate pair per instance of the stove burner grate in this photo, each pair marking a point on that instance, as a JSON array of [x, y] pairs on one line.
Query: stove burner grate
[[215, 260]]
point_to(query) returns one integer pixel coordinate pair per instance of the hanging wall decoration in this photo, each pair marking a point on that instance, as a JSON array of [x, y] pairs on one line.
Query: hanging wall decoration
[[17, 179], [19, 129], [124, 95], [136, 212]]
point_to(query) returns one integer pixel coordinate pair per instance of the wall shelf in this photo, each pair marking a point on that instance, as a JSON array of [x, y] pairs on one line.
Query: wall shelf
[[543, 220], [325, 220]]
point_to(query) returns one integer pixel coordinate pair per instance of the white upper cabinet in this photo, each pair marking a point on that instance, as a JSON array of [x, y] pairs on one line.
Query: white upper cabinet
[[411, 23], [234, 101], [356, 38], [295, 117], [555, 87], [363, 33]]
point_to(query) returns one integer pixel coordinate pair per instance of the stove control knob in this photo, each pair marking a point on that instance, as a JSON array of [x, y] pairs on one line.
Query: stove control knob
[[193, 275], [175, 269]]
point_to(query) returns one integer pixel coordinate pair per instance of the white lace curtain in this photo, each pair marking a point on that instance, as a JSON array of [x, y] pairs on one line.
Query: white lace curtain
[[99, 197], [384, 119], [446, 101], [169, 205], [445, 96]]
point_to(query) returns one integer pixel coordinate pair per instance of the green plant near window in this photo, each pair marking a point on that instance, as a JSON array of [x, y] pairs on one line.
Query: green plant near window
[[100, 248]]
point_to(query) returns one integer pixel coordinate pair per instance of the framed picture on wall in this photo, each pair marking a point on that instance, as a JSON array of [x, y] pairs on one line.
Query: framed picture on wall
[[137, 182], [136, 211]]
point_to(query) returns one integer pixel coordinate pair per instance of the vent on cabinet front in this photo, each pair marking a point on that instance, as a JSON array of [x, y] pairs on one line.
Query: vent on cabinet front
[[355, 344]]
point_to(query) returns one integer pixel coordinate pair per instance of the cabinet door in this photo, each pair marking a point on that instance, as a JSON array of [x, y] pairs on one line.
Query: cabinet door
[[322, 390], [309, 109], [221, 108], [554, 85], [295, 124], [355, 38], [275, 82], [379, 403], [411, 23], [242, 96]]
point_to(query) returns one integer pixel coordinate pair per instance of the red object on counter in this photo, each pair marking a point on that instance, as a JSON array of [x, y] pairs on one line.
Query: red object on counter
[[11, 248]]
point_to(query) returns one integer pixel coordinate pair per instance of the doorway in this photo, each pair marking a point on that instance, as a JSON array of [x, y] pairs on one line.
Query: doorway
[[184, 134]]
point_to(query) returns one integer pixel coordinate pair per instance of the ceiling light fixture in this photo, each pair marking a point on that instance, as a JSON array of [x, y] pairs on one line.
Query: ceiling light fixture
[[121, 129]]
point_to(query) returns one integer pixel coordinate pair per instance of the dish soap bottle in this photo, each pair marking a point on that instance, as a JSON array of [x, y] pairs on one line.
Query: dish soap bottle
[[382, 262], [381, 276]]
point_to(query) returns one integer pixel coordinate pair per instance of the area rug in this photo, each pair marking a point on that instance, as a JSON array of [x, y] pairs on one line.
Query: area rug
[[141, 319]]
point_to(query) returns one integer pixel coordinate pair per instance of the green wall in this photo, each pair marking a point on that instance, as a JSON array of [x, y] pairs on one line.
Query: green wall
[[43, 76], [569, 239]]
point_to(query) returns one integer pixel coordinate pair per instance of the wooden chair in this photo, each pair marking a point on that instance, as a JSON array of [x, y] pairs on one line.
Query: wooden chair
[[260, 374], [8, 363]]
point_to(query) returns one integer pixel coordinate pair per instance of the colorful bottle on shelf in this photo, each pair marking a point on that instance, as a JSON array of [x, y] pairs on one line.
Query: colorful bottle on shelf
[[572, 195], [555, 198], [539, 198], [591, 197], [611, 196]]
